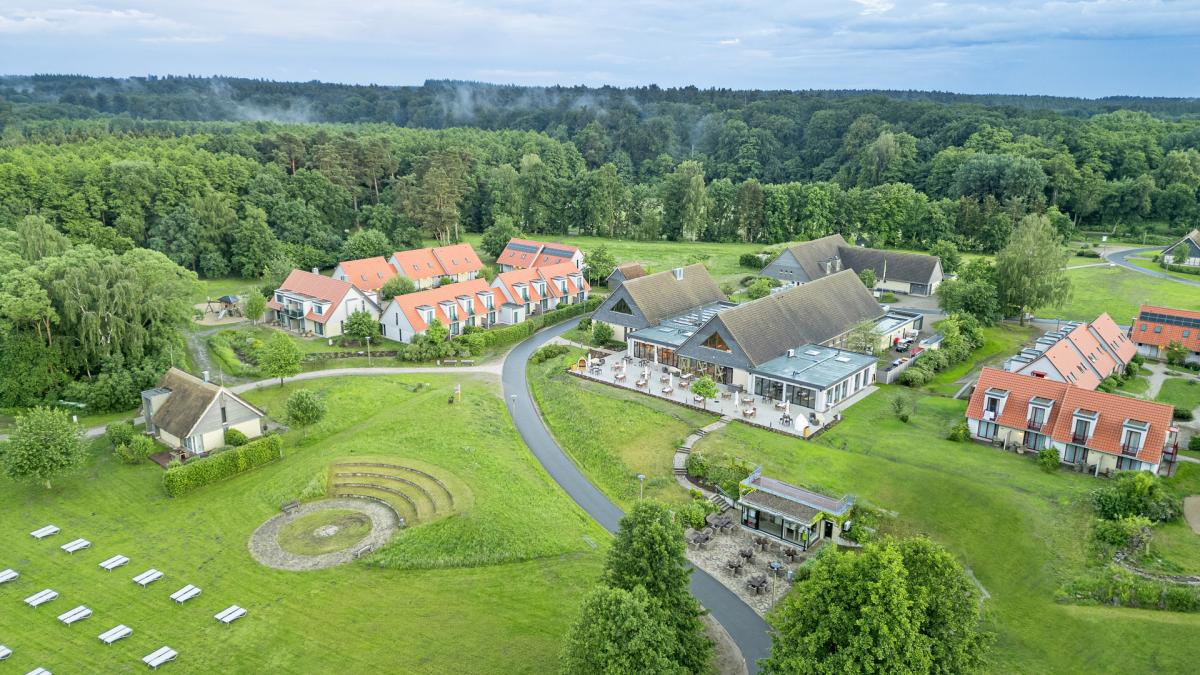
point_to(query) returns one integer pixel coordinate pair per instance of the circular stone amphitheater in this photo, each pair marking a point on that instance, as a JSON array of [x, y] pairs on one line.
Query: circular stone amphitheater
[[369, 500]]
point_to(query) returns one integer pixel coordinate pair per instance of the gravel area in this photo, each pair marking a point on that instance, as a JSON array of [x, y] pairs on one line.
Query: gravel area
[[723, 547], [264, 545]]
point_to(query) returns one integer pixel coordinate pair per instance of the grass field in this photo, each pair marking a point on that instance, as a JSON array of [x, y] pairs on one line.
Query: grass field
[[1181, 393], [1119, 291], [1021, 531], [302, 535], [452, 610], [1000, 342], [614, 434]]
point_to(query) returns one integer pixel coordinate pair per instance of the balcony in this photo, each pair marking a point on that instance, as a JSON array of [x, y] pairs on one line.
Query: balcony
[[989, 415], [1078, 438], [1129, 450], [292, 311], [1035, 425]]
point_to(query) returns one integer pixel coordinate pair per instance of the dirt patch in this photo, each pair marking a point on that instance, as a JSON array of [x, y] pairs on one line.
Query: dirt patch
[[1191, 511], [210, 318]]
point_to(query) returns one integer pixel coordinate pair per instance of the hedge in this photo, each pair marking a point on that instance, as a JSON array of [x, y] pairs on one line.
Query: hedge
[[1182, 269], [497, 337], [197, 473]]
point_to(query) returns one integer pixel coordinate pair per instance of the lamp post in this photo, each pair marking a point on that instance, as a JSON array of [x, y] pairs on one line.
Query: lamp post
[[368, 351], [641, 485]]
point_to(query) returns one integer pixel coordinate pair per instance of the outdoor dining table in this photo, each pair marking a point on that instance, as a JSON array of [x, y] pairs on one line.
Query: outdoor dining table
[[791, 554], [724, 521], [776, 567], [762, 542], [735, 566], [747, 399], [758, 584], [747, 554]]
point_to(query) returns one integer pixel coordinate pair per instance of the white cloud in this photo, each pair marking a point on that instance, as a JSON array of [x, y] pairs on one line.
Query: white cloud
[[875, 6], [729, 42], [82, 19]]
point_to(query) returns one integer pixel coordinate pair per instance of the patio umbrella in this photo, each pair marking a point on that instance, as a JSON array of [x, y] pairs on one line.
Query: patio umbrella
[[589, 360]]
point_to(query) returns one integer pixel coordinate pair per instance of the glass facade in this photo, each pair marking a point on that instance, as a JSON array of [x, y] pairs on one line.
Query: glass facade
[[800, 534], [720, 374], [774, 390]]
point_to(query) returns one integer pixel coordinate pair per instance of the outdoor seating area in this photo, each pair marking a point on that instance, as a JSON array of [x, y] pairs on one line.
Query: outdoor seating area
[[756, 568], [637, 375], [81, 612]]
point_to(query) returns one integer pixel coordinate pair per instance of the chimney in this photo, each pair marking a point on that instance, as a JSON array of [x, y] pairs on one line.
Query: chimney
[[316, 270], [837, 264], [678, 272], [204, 375], [791, 353]]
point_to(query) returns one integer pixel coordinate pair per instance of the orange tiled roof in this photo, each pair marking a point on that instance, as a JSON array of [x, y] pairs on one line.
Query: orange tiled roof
[[1071, 364], [368, 274], [1110, 333], [567, 270], [1113, 410], [433, 297], [437, 261], [525, 253], [1162, 334], [527, 275], [316, 286], [458, 259]]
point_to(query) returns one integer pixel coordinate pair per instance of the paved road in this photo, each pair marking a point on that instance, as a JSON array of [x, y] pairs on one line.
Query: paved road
[[1121, 258], [746, 628]]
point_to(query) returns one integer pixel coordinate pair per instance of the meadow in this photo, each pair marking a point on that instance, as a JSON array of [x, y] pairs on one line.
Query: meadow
[[1020, 531], [1119, 292], [491, 588]]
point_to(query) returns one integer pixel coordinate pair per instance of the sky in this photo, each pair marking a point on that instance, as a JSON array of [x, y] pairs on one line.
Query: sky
[[1068, 47]]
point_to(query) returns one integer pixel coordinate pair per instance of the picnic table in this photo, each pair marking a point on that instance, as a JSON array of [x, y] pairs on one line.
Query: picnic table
[[749, 412], [747, 554], [776, 567], [735, 566], [758, 584]]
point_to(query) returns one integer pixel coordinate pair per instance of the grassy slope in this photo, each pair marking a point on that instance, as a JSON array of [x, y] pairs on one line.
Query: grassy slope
[[498, 618], [613, 434], [1000, 342], [1020, 530], [1119, 291]]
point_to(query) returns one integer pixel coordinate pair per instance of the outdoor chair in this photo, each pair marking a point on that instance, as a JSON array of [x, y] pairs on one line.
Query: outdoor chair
[[114, 562], [159, 656], [230, 614], [45, 532], [148, 577], [8, 575], [184, 594], [115, 633], [41, 598], [78, 614], [668, 390], [5, 652], [77, 545]]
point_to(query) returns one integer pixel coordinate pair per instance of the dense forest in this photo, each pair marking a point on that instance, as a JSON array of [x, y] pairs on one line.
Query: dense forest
[[245, 177]]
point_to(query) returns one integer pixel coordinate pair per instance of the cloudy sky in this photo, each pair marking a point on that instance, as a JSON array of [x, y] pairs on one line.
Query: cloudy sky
[[1068, 47]]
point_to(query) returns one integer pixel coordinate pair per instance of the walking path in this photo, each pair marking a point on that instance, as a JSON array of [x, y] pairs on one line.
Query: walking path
[[747, 628], [264, 543], [679, 462], [1122, 258]]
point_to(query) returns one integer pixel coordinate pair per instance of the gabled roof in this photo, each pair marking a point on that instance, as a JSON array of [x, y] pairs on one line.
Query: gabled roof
[[316, 286], [508, 281], [1161, 326], [1112, 411], [1193, 236], [629, 271], [809, 254], [189, 399], [891, 265], [1071, 363], [458, 259], [565, 270], [661, 295], [1109, 333], [367, 274], [525, 253], [437, 261], [811, 313], [433, 297]]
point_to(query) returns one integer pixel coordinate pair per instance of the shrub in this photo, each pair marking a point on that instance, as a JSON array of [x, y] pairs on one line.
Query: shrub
[[1047, 458], [1087, 253], [728, 289], [1121, 532], [1135, 493], [693, 514], [235, 438], [696, 465], [960, 432], [601, 333], [549, 352], [1182, 414], [197, 473], [903, 406], [915, 376], [119, 433], [752, 260], [585, 324], [136, 449], [761, 288], [1194, 443], [888, 297]]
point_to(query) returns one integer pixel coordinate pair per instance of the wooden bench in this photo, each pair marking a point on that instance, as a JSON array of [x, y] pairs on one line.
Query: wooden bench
[[77, 545], [8, 575], [148, 577], [41, 597], [450, 362], [362, 550], [230, 614], [288, 507], [114, 562], [78, 614], [184, 594]]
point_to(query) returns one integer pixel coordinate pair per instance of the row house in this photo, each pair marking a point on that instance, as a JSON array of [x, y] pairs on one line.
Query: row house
[[528, 292], [521, 254], [1097, 431], [456, 306], [1155, 328], [308, 302], [427, 266], [1076, 353]]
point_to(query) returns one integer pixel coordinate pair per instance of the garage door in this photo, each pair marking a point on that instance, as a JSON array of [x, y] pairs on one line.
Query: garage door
[[918, 289]]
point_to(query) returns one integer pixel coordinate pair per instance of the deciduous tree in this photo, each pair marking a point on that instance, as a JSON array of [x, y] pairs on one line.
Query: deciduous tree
[[618, 632], [279, 357], [305, 408], [45, 443], [1031, 269]]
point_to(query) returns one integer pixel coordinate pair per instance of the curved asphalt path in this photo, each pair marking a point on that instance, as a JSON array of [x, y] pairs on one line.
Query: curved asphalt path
[[746, 628], [1122, 258]]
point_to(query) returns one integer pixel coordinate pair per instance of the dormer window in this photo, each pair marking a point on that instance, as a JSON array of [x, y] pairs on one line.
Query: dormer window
[[426, 313], [1133, 436], [993, 403], [1083, 424], [1039, 412]]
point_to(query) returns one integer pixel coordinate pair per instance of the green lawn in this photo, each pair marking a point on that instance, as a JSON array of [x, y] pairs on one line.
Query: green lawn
[[1146, 263], [1181, 393], [1000, 342], [1119, 291], [8, 417], [303, 535], [434, 601], [215, 288], [1021, 531], [614, 434]]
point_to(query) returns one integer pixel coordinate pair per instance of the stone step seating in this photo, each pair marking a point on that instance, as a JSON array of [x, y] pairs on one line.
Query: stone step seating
[[414, 494]]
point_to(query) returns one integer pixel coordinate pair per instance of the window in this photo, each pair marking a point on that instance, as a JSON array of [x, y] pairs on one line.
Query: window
[[1133, 441], [1143, 327], [714, 341], [1081, 431], [1128, 464], [224, 415], [317, 309], [1158, 329], [622, 307], [1034, 441], [1075, 454], [988, 430]]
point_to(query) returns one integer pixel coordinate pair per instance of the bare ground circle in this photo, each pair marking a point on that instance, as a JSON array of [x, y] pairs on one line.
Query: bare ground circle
[[264, 543]]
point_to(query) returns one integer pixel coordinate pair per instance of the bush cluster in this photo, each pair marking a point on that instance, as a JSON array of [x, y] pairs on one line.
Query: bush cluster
[[693, 514], [136, 449], [1087, 253], [1048, 459], [197, 473], [725, 473], [1120, 532], [752, 260], [1117, 586], [1182, 269], [235, 438], [119, 433], [1135, 493], [549, 352], [960, 432], [962, 335]]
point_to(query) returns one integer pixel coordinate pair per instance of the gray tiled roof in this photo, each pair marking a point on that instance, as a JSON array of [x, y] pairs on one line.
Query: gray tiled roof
[[891, 265], [812, 313], [810, 253], [661, 295]]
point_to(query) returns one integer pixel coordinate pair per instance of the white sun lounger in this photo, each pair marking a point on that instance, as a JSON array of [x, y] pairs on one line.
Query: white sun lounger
[[231, 614], [7, 576], [160, 656], [78, 614], [39, 671], [114, 562], [148, 577], [45, 532], [115, 633], [77, 545], [186, 593], [41, 597], [5, 652]]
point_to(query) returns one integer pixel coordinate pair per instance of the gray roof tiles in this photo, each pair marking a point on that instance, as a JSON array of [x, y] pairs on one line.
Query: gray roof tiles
[[661, 295]]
